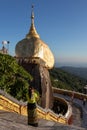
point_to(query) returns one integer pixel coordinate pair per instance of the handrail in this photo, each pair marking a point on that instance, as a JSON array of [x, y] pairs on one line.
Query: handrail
[[11, 104], [69, 93], [68, 113]]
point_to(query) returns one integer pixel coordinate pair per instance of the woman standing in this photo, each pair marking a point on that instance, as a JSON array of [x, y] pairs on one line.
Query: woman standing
[[32, 98]]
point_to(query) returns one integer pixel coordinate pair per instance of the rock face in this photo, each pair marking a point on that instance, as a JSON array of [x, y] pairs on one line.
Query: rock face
[[36, 57], [46, 87], [41, 82]]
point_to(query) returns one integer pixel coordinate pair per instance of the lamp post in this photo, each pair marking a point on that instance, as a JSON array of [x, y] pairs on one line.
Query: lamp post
[[8, 45]]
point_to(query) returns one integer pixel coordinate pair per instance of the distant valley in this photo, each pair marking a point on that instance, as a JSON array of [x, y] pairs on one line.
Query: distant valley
[[66, 80], [81, 72]]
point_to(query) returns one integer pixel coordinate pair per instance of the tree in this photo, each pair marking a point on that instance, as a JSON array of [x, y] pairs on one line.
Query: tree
[[13, 78]]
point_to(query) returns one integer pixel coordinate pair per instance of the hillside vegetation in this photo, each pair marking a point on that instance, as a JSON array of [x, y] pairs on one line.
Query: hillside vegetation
[[81, 72], [65, 80], [13, 78]]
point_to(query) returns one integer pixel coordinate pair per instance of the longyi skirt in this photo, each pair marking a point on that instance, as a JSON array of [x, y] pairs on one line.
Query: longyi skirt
[[32, 114]]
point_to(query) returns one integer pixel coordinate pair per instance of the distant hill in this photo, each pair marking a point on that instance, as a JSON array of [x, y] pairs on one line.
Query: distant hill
[[81, 72], [62, 79], [14, 79]]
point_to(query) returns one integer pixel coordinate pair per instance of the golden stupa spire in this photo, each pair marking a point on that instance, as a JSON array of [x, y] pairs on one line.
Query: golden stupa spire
[[32, 31]]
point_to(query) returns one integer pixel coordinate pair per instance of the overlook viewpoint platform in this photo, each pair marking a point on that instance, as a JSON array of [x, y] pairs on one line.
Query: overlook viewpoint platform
[[76, 103], [15, 121]]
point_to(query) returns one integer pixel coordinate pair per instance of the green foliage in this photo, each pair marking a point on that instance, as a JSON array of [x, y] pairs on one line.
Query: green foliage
[[64, 80], [13, 78]]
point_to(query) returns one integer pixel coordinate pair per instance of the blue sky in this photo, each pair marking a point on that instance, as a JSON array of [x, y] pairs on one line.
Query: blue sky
[[62, 24]]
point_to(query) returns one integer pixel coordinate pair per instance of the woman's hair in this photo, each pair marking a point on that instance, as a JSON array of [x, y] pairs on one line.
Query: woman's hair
[[30, 92]]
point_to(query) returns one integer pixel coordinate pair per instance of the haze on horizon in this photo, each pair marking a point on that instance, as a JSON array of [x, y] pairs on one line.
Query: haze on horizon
[[61, 24], [73, 62]]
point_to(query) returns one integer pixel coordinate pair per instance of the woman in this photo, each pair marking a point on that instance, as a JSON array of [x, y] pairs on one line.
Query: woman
[[32, 98]]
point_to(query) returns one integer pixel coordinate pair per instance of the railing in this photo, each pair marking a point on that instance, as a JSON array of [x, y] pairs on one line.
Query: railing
[[68, 113], [69, 93], [6, 104], [50, 115], [10, 104]]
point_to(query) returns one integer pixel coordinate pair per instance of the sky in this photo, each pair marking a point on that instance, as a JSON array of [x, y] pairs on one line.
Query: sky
[[61, 24]]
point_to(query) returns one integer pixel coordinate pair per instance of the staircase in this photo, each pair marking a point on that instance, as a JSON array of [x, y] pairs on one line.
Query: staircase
[[13, 116], [8, 103]]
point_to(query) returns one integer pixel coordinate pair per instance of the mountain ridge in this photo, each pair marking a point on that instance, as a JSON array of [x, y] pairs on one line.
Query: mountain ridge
[[77, 71]]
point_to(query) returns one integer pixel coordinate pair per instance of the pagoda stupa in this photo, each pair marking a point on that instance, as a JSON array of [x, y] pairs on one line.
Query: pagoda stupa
[[36, 57]]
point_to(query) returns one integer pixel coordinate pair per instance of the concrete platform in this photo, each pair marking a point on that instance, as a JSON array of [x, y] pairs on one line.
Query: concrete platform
[[79, 104], [14, 121]]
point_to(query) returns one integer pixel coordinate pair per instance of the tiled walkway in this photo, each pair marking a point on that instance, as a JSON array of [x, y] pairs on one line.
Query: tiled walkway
[[13, 121]]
